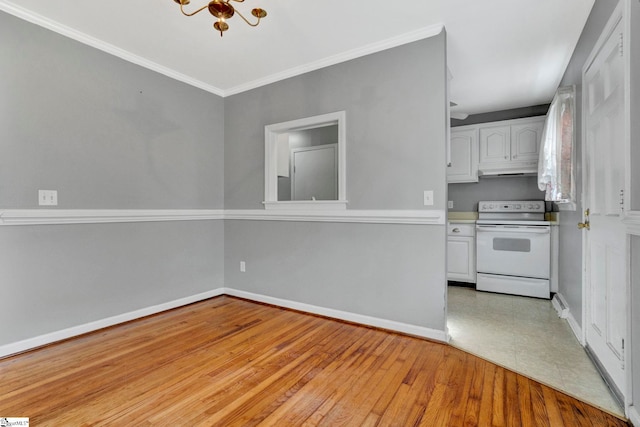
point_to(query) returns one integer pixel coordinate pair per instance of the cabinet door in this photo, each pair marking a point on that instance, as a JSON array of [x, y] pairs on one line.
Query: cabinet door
[[525, 141], [464, 156], [461, 259], [495, 144]]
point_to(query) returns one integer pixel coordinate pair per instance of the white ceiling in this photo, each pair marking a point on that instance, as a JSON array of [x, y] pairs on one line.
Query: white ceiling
[[501, 53]]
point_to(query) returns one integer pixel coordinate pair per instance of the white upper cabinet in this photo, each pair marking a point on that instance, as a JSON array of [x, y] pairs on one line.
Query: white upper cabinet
[[464, 155], [495, 146], [510, 146], [526, 139]]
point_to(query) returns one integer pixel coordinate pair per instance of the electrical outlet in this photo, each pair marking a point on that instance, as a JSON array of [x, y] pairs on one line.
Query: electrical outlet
[[450, 205], [428, 198], [47, 198], [243, 267]]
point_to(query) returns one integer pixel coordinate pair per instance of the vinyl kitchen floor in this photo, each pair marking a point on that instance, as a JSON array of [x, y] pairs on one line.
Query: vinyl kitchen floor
[[526, 335]]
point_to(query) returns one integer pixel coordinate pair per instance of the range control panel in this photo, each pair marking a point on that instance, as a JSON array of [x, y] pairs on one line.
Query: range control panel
[[528, 206]]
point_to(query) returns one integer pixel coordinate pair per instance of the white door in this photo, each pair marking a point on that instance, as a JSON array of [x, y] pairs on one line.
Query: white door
[[315, 173], [604, 177]]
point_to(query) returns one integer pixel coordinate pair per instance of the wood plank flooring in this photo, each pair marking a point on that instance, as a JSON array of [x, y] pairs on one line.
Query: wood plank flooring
[[230, 362]]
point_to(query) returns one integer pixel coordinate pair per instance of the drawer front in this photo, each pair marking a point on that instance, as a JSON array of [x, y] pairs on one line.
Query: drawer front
[[467, 230]]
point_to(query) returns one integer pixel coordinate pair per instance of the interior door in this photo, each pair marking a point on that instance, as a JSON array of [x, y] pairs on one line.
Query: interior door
[[315, 173], [604, 178]]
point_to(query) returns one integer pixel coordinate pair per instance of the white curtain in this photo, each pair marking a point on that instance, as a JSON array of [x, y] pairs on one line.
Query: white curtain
[[556, 169]]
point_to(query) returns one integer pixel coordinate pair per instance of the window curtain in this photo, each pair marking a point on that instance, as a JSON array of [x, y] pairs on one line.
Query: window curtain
[[556, 170]]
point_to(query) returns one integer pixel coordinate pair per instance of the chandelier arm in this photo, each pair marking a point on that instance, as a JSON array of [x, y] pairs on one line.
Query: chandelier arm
[[246, 20], [191, 14], [237, 1]]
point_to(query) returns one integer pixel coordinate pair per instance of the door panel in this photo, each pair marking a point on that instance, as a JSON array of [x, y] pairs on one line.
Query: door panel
[[495, 144], [525, 141], [604, 175], [315, 173]]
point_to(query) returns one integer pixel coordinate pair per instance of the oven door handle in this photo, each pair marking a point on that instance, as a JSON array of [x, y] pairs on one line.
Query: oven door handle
[[513, 229]]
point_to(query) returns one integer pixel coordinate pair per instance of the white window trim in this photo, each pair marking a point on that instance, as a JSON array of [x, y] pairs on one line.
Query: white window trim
[[270, 162]]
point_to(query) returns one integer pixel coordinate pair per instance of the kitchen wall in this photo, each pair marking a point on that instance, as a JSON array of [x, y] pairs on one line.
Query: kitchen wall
[[106, 134], [465, 196], [570, 238], [635, 321], [395, 105]]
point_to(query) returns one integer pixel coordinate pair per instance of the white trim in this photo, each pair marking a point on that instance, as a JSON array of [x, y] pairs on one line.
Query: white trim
[[308, 205], [400, 40], [577, 330], [362, 319], [565, 313], [66, 31], [39, 341], [426, 217], [271, 133], [559, 305], [98, 216], [10, 217], [634, 416]]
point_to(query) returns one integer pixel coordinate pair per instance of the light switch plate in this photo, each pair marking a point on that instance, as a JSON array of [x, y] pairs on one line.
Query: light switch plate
[[428, 198], [47, 198]]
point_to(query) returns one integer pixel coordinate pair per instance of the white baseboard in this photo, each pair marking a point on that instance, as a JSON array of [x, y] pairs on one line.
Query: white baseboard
[[561, 306], [575, 327], [39, 341], [634, 416], [405, 328]]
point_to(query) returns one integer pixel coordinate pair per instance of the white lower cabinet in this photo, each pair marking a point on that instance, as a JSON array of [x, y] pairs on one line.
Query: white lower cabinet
[[461, 252]]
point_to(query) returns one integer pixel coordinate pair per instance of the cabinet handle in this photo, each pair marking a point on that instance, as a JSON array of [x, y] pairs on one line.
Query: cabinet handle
[[515, 156], [506, 157], [456, 230]]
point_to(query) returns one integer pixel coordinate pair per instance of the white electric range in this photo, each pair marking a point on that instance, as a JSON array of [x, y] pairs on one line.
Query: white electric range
[[513, 248]]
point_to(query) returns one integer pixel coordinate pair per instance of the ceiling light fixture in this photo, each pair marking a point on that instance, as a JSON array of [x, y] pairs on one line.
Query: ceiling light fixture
[[223, 10]]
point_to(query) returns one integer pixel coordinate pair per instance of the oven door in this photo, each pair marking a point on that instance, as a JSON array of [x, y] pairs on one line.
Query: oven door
[[514, 250]]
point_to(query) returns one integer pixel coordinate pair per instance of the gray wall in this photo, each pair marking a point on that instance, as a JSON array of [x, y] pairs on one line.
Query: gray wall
[[635, 105], [570, 251], [106, 134], [635, 320], [465, 196], [395, 119], [493, 116], [57, 277], [386, 271]]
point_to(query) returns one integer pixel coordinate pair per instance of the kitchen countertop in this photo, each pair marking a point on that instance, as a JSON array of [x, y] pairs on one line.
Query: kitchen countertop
[[463, 217], [471, 217]]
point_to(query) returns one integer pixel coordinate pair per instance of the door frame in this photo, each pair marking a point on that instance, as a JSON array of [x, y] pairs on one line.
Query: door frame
[[620, 14]]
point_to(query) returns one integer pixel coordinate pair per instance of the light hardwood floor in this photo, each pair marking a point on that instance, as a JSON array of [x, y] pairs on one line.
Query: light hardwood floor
[[231, 362]]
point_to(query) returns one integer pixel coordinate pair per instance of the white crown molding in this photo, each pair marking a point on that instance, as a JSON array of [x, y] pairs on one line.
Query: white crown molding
[[413, 36], [98, 216], [49, 24], [41, 340], [426, 217], [59, 28], [405, 328]]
